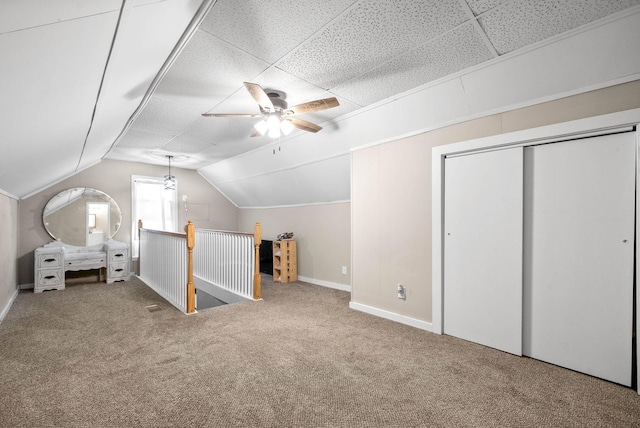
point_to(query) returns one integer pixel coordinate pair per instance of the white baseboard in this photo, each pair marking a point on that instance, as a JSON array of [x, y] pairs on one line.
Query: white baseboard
[[327, 284], [29, 286], [5, 310], [422, 325]]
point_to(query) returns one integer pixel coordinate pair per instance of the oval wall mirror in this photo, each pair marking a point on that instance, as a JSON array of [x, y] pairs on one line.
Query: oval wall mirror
[[82, 217]]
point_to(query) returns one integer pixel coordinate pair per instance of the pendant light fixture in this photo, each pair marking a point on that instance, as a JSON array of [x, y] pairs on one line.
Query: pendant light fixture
[[169, 180]]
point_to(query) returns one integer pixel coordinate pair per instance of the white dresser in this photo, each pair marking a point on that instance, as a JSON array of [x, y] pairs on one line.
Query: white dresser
[[54, 259]]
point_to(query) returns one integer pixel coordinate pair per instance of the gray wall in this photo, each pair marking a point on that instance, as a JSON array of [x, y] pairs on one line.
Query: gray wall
[[391, 197], [208, 208], [8, 250], [322, 233]]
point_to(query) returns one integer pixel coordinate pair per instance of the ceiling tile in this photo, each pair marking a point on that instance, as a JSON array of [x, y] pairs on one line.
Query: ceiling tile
[[480, 6], [206, 72], [368, 35], [268, 30], [164, 117], [453, 52], [140, 139], [520, 23], [218, 130], [346, 106]]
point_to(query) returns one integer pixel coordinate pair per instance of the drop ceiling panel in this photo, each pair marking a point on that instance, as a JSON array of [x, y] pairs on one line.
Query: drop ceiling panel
[[268, 30], [368, 35], [207, 71], [24, 14], [520, 23], [164, 117], [219, 130], [140, 139], [455, 51]]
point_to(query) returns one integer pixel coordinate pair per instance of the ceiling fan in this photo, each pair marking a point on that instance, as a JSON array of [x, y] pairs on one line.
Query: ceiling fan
[[277, 116]]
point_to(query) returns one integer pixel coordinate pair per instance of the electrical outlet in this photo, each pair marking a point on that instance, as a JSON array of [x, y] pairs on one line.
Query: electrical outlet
[[344, 270], [402, 292]]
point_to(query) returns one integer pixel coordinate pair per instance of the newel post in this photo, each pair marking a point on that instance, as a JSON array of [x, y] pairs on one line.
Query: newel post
[[191, 289], [257, 235]]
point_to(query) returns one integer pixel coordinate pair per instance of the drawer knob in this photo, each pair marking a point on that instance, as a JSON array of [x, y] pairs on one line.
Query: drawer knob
[[49, 260], [119, 270], [49, 277]]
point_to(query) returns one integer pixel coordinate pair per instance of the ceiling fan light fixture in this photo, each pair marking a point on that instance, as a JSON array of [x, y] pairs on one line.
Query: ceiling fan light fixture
[[261, 127], [286, 127], [273, 124]]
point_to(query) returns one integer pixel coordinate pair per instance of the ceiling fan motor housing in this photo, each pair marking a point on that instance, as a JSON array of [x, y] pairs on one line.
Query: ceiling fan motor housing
[[279, 103]]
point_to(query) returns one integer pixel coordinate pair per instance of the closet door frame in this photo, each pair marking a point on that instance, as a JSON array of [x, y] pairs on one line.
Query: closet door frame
[[594, 126]]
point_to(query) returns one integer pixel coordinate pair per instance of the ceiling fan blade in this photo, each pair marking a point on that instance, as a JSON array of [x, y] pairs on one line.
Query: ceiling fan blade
[[256, 133], [313, 106], [230, 115], [259, 95], [304, 125]]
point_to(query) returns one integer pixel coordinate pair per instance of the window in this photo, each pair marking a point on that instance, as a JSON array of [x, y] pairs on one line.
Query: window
[[155, 206]]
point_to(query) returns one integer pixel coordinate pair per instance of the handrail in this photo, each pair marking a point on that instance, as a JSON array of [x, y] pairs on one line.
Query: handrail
[[164, 232], [229, 231]]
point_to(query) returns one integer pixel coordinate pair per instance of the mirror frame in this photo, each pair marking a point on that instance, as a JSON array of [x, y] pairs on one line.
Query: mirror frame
[[65, 214]]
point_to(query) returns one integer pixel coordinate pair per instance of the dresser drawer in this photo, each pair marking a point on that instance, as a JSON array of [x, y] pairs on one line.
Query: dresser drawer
[[51, 260], [85, 261], [118, 270], [47, 277], [118, 255]]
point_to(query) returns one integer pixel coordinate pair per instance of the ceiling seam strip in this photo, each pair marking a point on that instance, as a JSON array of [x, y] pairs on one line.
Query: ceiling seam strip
[[478, 27], [186, 36], [104, 73]]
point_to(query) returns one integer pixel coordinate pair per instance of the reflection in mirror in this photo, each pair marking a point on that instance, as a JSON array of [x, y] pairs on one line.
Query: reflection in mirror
[[82, 217]]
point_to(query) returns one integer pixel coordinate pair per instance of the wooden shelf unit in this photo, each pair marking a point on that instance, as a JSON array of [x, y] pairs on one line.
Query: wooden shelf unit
[[285, 265]]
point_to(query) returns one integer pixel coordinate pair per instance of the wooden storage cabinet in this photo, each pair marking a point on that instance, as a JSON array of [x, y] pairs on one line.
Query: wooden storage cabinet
[[285, 265]]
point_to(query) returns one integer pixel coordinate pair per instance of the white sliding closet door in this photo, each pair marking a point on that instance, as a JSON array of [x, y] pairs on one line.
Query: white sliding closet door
[[483, 248], [578, 254]]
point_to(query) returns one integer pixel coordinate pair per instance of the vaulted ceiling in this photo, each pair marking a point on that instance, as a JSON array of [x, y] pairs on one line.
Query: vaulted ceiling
[[130, 79]]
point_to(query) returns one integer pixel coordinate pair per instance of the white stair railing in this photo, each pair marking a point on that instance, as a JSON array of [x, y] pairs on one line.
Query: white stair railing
[[224, 264], [163, 265]]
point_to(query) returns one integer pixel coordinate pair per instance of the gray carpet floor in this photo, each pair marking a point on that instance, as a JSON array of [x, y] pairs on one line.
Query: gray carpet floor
[[93, 355]]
